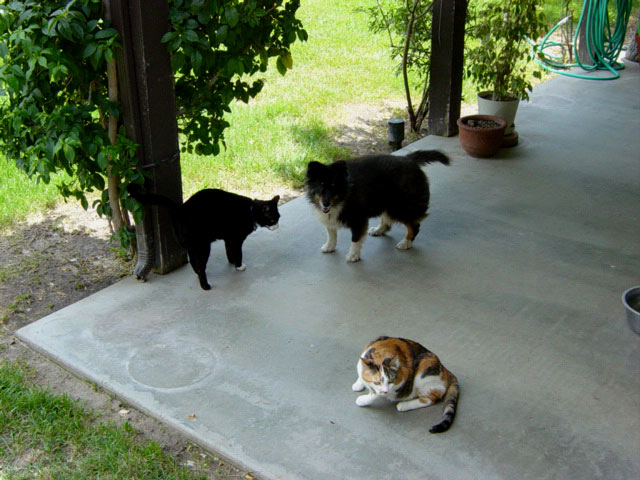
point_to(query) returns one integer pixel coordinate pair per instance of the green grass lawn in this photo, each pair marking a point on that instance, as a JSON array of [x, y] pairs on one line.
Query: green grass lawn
[[49, 436], [20, 195]]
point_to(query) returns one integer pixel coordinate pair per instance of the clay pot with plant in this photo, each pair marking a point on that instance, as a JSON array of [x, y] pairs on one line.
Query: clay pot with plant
[[481, 135], [498, 55]]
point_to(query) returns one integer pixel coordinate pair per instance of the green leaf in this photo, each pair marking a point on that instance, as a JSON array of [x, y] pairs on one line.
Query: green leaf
[[287, 60], [232, 17], [196, 60], [191, 24], [96, 58], [191, 36], [281, 66], [177, 61], [106, 33], [49, 30], [235, 65], [168, 36], [89, 50], [69, 152], [264, 58], [221, 33]]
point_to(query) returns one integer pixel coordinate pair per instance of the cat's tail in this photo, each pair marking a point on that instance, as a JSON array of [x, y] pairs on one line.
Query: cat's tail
[[428, 156], [146, 198], [450, 404]]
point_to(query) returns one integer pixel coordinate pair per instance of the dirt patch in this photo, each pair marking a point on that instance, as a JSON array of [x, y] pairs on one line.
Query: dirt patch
[[362, 127], [56, 258], [53, 260]]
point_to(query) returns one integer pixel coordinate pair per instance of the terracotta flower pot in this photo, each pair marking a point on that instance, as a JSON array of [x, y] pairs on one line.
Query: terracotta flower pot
[[481, 135]]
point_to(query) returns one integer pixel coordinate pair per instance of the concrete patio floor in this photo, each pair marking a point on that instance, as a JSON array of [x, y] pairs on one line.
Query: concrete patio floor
[[514, 281]]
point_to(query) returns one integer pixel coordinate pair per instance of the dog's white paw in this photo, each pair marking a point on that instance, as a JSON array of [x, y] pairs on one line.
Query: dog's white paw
[[353, 257], [404, 244], [378, 231], [241, 268], [328, 248]]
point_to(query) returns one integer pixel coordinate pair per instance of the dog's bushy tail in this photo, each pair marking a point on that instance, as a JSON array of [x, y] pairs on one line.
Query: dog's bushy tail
[[428, 156], [139, 193]]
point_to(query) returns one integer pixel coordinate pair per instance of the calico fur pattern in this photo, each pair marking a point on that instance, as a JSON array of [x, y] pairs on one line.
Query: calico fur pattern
[[404, 371], [211, 215], [347, 193]]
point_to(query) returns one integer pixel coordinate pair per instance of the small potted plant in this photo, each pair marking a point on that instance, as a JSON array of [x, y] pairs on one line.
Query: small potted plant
[[481, 135], [499, 51]]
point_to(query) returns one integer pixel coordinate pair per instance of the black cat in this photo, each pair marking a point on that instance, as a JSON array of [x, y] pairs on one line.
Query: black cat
[[211, 215]]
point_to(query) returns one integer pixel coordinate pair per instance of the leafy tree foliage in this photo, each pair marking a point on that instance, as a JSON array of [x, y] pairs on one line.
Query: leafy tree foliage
[[216, 47], [497, 61], [56, 111], [55, 105]]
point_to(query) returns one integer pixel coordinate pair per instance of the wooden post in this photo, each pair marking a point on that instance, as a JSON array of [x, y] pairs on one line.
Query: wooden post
[[445, 77], [149, 116]]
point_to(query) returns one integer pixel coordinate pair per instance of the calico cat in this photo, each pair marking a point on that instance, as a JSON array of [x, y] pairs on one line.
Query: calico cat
[[404, 371], [211, 215]]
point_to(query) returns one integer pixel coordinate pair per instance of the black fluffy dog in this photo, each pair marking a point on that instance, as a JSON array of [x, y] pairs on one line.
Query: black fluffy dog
[[348, 193]]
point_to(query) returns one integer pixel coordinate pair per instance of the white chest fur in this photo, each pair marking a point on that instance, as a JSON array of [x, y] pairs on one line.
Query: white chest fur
[[330, 220]]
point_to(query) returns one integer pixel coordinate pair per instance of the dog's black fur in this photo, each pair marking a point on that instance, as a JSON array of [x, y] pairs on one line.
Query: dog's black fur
[[210, 215], [348, 193]]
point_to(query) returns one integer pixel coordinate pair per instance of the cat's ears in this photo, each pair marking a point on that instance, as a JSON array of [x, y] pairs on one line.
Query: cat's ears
[[275, 199], [367, 361]]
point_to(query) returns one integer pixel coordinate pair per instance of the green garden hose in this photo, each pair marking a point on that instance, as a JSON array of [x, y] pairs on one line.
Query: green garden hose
[[603, 44]]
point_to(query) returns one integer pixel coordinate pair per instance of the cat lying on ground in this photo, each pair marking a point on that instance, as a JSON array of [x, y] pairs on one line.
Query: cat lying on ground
[[403, 371]]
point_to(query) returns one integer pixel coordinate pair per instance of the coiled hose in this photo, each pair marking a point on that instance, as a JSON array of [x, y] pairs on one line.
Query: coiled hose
[[603, 44]]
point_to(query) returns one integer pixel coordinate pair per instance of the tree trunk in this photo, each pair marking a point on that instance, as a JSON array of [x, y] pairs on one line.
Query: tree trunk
[[113, 181]]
